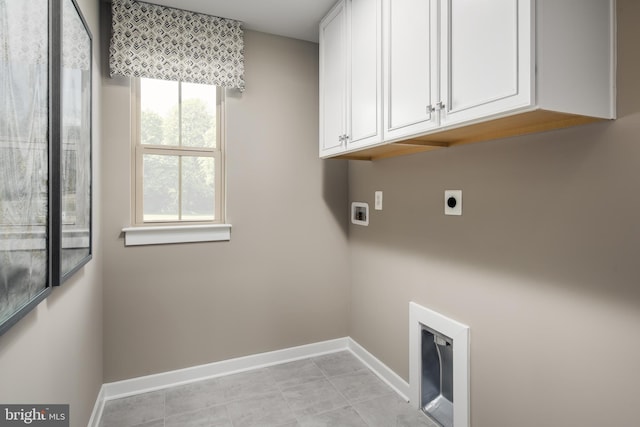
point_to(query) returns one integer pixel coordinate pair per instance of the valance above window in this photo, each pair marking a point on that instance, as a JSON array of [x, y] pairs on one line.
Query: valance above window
[[171, 44]]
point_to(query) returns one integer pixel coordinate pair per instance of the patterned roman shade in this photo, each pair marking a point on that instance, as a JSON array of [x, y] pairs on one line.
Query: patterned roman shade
[[164, 43]]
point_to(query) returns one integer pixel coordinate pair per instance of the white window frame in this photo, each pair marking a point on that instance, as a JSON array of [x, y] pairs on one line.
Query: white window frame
[[181, 231]]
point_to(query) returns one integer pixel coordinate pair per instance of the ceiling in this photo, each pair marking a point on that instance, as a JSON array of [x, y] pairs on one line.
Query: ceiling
[[297, 19]]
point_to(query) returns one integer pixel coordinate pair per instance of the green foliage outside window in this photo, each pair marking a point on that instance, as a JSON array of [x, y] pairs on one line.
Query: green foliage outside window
[[164, 174]]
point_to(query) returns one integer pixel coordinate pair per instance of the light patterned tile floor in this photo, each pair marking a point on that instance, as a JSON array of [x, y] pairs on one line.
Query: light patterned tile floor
[[335, 390]]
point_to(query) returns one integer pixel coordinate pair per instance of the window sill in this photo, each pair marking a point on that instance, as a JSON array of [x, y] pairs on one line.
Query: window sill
[[160, 235]]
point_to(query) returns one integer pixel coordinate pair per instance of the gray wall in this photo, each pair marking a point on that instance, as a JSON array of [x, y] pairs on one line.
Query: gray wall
[[543, 264], [54, 354], [283, 278]]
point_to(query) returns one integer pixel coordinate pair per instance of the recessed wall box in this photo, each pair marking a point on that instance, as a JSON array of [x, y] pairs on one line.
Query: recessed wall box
[[439, 366], [360, 213]]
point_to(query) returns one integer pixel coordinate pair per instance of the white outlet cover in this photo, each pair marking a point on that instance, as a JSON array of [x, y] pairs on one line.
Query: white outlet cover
[[457, 195], [378, 200]]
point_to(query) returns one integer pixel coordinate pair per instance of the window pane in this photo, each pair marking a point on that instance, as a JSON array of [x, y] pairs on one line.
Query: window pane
[[178, 183], [159, 112], [160, 187], [198, 115], [198, 190]]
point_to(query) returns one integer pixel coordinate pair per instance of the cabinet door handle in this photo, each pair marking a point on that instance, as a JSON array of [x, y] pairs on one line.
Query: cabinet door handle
[[440, 105], [430, 109]]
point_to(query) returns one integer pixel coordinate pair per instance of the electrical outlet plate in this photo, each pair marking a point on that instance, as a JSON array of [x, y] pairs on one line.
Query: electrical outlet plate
[[378, 200], [360, 213], [453, 202]]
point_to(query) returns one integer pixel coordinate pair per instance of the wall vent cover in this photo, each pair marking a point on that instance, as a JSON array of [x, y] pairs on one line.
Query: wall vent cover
[[439, 366]]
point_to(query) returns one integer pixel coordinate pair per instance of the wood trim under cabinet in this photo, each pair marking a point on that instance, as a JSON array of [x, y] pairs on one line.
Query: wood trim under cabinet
[[514, 125]]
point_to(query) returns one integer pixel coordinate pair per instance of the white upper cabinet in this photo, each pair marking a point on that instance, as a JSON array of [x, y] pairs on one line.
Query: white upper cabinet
[[485, 58], [411, 73], [366, 72], [351, 76], [333, 81], [453, 61], [461, 71]]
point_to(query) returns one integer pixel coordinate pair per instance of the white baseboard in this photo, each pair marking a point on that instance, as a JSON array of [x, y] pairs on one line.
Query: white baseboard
[[130, 387], [385, 373], [96, 414], [116, 390]]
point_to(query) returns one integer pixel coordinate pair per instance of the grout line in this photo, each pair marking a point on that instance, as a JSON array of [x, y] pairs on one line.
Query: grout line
[[280, 390], [164, 407]]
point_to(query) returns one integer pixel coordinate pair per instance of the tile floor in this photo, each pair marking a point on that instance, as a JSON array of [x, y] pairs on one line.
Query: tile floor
[[334, 390]]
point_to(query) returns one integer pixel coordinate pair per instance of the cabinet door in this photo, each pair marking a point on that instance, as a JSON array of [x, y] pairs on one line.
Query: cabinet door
[[365, 100], [333, 80], [411, 87], [485, 58]]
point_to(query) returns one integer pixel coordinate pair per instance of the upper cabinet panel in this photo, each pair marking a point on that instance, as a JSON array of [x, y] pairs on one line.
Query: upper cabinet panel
[[366, 72], [410, 34], [486, 58], [576, 56], [333, 65]]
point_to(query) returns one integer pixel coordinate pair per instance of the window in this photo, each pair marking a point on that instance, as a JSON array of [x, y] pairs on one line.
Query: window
[[178, 153]]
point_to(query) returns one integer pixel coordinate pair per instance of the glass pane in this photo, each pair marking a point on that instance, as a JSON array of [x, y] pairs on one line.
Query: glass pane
[[76, 140], [159, 112], [23, 153], [198, 115], [160, 187], [198, 191]]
